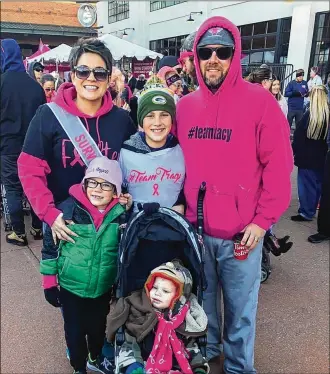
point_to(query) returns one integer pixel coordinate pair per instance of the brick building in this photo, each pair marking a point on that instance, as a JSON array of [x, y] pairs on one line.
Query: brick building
[[54, 22]]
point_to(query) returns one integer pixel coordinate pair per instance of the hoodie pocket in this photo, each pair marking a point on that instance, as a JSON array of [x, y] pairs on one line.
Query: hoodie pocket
[[221, 213]]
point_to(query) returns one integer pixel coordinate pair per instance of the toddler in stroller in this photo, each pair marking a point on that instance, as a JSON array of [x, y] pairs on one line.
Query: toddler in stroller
[[162, 322], [153, 237]]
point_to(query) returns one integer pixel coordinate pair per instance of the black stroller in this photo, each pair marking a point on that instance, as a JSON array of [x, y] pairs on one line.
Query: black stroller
[[153, 236]]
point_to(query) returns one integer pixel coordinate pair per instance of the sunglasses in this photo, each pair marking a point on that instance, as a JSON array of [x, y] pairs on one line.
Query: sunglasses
[[105, 186], [39, 70], [179, 70], [83, 72], [223, 53], [49, 89]]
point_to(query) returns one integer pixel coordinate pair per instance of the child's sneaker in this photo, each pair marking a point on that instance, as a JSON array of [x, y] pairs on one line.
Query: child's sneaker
[[36, 233], [16, 239], [101, 365]]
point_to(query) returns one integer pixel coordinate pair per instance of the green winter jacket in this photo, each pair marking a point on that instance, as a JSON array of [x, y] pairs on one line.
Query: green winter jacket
[[88, 267]]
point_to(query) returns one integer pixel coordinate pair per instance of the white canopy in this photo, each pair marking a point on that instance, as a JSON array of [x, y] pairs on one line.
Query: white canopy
[[60, 54], [121, 47]]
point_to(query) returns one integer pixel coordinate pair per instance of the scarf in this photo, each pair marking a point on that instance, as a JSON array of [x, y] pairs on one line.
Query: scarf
[[166, 343]]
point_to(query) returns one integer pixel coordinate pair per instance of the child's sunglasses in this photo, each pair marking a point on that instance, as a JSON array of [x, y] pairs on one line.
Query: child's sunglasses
[[223, 53], [83, 72]]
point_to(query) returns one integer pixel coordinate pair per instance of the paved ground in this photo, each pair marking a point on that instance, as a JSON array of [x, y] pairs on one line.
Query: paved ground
[[293, 318]]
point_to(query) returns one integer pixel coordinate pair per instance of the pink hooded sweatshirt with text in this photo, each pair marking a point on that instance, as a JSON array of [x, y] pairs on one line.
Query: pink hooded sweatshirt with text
[[237, 140]]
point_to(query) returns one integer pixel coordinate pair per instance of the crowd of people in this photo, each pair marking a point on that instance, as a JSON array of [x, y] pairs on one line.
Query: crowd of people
[[106, 144]]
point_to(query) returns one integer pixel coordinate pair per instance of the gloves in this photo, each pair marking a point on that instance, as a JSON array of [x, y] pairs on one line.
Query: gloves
[[52, 295], [277, 245], [296, 94]]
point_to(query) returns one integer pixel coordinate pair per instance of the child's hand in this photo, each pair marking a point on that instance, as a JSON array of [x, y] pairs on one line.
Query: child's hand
[[126, 199]]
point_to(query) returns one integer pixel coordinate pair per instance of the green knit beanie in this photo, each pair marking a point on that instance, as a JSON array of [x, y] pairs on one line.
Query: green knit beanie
[[155, 97]]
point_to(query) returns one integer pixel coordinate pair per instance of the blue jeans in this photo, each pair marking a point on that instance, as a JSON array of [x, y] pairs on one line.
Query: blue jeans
[[309, 191], [239, 282]]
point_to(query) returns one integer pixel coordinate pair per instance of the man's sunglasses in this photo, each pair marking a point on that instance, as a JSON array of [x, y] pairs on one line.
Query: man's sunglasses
[[223, 53], [83, 72], [49, 89], [39, 70]]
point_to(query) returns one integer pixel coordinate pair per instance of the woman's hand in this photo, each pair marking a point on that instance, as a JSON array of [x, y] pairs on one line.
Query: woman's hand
[[126, 199], [126, 107], [61, 231], [252, 236]]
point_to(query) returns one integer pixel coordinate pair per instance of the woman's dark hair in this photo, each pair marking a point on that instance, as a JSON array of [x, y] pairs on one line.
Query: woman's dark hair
[[258, 75], [90, 45], [46, 78]]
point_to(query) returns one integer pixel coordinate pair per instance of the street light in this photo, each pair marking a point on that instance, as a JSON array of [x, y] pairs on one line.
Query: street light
[[190, 19], [128, 28]]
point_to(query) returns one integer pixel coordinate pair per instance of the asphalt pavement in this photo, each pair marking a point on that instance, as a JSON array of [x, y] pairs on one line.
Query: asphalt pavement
[[293, 317]]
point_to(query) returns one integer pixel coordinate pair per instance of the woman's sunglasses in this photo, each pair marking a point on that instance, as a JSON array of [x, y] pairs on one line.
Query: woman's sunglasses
[[83, 72], [49, 89], [223, 53], [39, 70]]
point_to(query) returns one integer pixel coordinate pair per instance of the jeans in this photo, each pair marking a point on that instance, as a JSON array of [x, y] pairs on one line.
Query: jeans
[[84, 317], [14, 194], [309, 191], [239, 282], [296, 115]]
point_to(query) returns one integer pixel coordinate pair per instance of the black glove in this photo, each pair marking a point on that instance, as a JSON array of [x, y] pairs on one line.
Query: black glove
[[277, 245], [52, 295], [296, 94]]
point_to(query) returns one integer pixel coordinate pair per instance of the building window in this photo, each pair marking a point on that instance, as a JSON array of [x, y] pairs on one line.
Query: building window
[[168, 47], [118, 10], [156, 5], [320, 55], [261, 41]]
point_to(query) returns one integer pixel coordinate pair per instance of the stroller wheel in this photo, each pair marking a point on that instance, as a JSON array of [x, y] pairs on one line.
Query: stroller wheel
[[264, 273]]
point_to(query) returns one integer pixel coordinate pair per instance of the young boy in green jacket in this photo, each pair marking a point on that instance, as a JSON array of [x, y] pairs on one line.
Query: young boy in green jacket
[[86, 269]]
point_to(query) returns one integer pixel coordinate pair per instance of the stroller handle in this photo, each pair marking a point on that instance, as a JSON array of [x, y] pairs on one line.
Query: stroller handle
[[200, 209]]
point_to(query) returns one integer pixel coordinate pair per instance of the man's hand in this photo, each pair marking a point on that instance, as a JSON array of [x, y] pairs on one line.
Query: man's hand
[[61, 231], [126, 199], [252, 235]]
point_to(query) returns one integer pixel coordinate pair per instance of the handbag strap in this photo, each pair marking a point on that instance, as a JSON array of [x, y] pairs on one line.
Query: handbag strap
[[77, 133]]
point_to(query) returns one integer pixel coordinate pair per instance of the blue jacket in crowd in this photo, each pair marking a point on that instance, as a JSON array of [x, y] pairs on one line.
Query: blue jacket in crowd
[[295, 91]]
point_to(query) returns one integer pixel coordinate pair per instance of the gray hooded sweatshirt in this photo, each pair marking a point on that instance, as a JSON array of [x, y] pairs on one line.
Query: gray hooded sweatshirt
[[152, 175]]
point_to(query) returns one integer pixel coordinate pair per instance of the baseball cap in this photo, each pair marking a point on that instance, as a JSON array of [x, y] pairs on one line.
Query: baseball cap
[[217, 35], [109, 170]]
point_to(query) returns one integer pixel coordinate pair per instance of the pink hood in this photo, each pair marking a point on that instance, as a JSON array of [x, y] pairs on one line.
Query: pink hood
[[67, 94], [78, 193], [237, 141]]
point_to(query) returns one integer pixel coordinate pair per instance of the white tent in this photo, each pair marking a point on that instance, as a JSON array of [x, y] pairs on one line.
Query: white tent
[[121, 47], [59, 54]]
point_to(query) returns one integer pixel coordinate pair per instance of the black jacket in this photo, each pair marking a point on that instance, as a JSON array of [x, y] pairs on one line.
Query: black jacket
[[20, 98], [132, 83], [308, 153]]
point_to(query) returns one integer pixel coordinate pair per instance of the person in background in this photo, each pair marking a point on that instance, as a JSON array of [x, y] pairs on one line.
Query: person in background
[[310, 149], [47, 82], [172, 80], [36, 70], [140, 82], [243, 154], [187, 62], [20, 98], [323, 217], [296, 91], [131, 81], [315, 79], [170, 61], [263, 76], [327, 85], [276, 91]]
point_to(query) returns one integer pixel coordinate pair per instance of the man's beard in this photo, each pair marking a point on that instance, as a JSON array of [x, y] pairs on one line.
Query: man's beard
[[214, 83]]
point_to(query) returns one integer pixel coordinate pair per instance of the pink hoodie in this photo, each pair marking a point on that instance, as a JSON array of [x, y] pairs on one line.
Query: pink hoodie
[[237, 141]]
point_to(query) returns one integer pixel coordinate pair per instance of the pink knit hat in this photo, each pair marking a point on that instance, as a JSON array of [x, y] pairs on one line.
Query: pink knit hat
[[164, 70]]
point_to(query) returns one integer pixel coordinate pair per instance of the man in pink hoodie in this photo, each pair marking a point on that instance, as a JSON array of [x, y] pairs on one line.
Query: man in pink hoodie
[[235, 138]]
